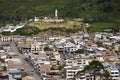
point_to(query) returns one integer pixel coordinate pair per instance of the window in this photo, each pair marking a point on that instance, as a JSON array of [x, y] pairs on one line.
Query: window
[[70, 72], [112, 72], [116, 73], [79, 63]]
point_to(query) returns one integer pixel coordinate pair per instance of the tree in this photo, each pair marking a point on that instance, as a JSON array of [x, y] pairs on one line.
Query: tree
[[60, 67], [106, 75], [4, 68], [6, 33], [95, 68], [46, 48], [99, 43], [80, 51]]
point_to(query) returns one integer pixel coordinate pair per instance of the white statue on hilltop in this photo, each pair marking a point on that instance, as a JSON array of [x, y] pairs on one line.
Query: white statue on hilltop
[[56, 13]]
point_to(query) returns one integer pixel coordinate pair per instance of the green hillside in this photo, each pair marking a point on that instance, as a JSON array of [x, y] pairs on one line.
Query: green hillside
[[17, 9], [103, 11]]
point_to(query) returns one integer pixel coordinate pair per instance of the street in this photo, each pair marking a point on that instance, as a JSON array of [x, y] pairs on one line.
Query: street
[[28, 67]]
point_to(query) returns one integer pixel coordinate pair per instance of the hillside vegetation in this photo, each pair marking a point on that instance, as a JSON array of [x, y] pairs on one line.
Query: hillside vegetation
[[15, 10], [18, 10], [101, 11]]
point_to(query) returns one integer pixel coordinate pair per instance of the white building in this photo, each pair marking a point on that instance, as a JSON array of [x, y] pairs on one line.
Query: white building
[[70, 47], [5, 38], [36, 47], [56, 19], [115, 37], [11, 28], [82, 62], [36, 19], [114, 73], [71, 72], [83, 76]]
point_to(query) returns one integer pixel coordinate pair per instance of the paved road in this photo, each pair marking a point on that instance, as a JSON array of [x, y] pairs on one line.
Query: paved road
[[28, 67]]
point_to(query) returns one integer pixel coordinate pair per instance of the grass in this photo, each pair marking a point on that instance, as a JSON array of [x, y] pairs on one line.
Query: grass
[[66, 25], [66, 28], [99, 26]]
